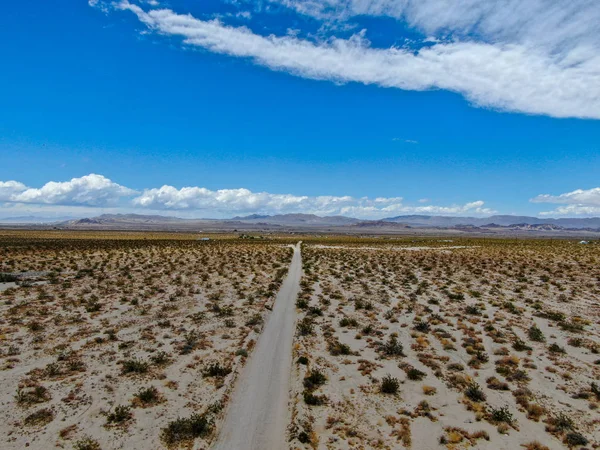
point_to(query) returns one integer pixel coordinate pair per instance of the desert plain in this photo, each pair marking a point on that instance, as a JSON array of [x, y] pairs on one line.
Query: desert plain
[[138, 340]]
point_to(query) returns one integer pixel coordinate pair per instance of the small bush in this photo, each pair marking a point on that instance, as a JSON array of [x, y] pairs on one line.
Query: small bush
[[147, 396], [314, 400], [185, 430], [337, 348], [315, 379], [160, 358], [305, 326], [422, 327], [555, 348], [574, 439], [473, 392], [216, 370], [535, 334], [392, 347], [40, 417], [473, 310], [415, 374], [348, 322], [121, 414], [429, 390], [301, 303], [389, 385], [520, 346], [502, 415], [255, 320], [35, 394], [87, 443], [561, 422], [134, 366]]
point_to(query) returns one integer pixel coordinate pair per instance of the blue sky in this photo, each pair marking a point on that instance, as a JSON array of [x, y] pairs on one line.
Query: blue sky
[[218, 108]]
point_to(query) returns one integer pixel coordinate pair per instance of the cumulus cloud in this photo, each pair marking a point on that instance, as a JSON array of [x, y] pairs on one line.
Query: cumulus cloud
[[245, 201], [94, 191], [579, 196], [89, 190], [579, 202], [530, 56], [8, 189]]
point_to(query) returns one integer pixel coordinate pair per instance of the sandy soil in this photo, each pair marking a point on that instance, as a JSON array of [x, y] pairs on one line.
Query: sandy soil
[[489, 346], [257, 415], [128, 339]]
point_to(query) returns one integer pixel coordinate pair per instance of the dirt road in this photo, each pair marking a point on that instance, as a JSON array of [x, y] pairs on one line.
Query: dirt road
[[257, 415]]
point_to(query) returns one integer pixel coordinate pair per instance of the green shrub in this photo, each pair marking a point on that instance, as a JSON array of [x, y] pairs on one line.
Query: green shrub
[[87, 443], [348, 322], [314, 379], [134, 366], [535, 334], [120, 414], [337, 348], [160, 358], [305, 326], [555, 348], [501, 415], [574, 439], [520, 346], [389, 385], [148, 396], [314, 400], [392, 347], [561, 422], [415, 374], [185, 430], [473, 392], [216, 370]]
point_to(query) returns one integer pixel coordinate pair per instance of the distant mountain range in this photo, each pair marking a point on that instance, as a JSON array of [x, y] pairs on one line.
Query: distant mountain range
[[502, 220], [288, 222], [34, 219]]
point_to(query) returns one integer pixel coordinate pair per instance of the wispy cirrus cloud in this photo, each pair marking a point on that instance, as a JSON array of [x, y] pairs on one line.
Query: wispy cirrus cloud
[[525, 56]]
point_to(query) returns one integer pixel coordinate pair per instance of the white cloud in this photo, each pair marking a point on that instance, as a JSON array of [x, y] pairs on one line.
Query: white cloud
[[8, 189], [573, 210], [89, 190], [579, 196], [533, 57], [579, 202], [553, 25], [407, 141], [235, 201]]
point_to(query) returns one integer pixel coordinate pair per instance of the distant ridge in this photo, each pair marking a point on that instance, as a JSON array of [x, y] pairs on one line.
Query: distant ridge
[[411, 224], [494, 221]]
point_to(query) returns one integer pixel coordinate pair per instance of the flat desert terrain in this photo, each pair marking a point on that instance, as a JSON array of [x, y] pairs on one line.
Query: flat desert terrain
[[114, 340], [489, 344]]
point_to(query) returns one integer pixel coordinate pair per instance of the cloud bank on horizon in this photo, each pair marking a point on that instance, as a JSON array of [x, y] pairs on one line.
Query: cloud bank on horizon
[[527, 56], [93, 192]]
